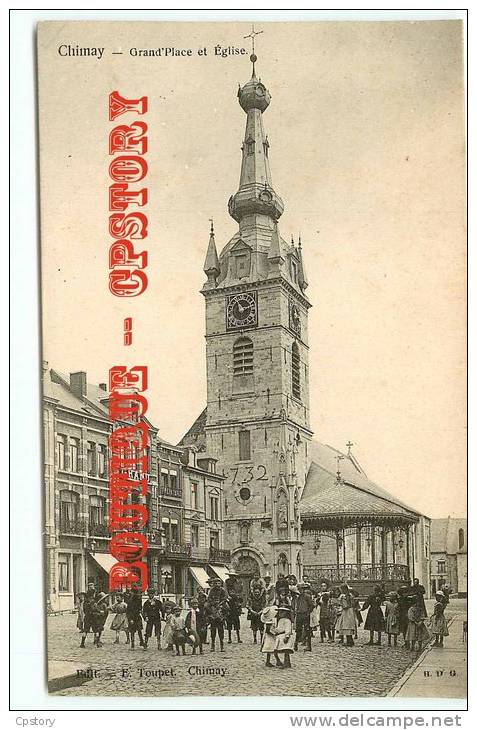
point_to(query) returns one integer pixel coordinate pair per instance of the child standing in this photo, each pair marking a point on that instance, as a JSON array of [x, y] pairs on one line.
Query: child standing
[[284, 635], [327, 617], [120, 620], [374, 617], [438, 624], [268, 618], [416, 629], [391, 617], [256, 604]]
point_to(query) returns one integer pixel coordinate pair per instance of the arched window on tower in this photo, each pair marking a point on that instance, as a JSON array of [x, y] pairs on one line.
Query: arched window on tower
[[461, 539], [296, 390]]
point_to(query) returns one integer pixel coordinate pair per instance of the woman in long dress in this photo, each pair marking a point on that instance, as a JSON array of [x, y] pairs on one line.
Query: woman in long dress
[[346, 624], [374, 617]]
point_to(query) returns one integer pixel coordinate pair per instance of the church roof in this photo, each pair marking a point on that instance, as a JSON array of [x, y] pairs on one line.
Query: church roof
[[322, 477], [445, 535], [356, 494]]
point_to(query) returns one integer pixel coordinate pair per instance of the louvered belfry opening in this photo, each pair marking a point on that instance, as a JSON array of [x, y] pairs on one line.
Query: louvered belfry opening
[[296, 391], [243, 356]]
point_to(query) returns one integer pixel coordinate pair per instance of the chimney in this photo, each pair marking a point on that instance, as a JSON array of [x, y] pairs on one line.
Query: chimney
[[103, 386], [78, 383]]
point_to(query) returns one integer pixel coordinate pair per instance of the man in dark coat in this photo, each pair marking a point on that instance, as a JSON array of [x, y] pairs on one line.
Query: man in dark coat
[[303, 608], [234, 606], [133, 614], [153, 612], [216, 612], [418, 590], [88, 603]]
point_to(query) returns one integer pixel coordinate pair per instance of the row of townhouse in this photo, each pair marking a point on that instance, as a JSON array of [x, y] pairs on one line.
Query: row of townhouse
[[184, 499]]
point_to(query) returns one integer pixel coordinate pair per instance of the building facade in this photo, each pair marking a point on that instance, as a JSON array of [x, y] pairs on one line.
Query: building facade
[[257, 420], [185, 537], [449, 554]]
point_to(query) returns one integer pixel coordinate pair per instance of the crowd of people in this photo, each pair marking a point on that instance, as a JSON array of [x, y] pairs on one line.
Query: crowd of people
[[282, 616]]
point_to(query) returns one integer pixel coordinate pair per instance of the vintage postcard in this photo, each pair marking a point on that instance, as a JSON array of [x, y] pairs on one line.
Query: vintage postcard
[[253, 322]]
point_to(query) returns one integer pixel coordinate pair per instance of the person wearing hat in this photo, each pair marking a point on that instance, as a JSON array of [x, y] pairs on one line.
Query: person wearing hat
[[180, 636], [416, 629], [303, 607], [98, 617], [169, 607], [374, 618], [216, 612], [234, 605], [255, 605], [196, 624], [391, 617], [269, 590], [268, 618], [120, 620], [284, 635], [87, 612], [152, 612], [133, 614]]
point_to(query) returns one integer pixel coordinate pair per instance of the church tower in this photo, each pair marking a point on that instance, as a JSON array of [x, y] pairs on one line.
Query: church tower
[[258, 414]]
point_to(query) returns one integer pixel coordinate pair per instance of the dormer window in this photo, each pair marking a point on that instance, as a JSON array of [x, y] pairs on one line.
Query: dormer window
[[294, 271]]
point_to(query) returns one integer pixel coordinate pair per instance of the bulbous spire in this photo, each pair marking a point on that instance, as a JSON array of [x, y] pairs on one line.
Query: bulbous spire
[[255, 194], [254, 95]]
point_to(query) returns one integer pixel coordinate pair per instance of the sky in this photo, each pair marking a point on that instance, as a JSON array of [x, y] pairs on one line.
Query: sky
[[367, 151]]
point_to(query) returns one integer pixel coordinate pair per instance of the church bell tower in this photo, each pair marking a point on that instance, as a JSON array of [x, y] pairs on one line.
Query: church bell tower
[[258, 414]]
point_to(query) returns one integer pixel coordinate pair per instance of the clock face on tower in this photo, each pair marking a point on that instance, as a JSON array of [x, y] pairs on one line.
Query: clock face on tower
[[241, 311]]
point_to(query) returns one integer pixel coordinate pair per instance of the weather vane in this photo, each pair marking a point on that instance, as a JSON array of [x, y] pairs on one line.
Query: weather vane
[[252, 35]]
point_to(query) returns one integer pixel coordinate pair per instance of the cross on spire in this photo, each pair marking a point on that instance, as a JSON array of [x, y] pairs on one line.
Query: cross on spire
[[338, 458], [349, 445], [252, 35]]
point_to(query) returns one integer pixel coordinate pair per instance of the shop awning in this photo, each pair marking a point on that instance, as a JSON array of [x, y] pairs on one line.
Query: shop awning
[[104, 560], [221, 572], [200, 576]]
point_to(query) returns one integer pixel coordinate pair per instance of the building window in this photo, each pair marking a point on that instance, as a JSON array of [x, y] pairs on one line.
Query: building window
[[214, 539], [91, 459], [74, 455], [441, 566], [63, 573], [193, 495], [169, 483], [243, 356], [194, 535], [461, 539], [214, 508], [102, 461], [69, 504], [61, 452], [296, 390], [244, 445], [171, 530], [97, 511]]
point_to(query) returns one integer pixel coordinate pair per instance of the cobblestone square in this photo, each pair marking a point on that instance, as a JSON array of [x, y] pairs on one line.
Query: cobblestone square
[[329, 670]]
